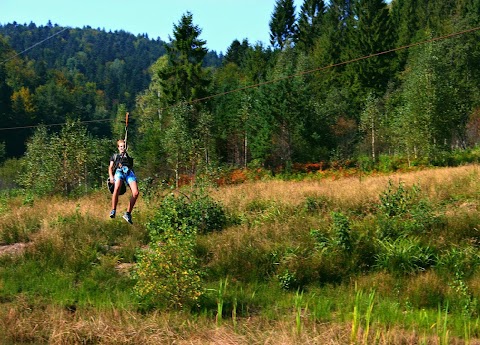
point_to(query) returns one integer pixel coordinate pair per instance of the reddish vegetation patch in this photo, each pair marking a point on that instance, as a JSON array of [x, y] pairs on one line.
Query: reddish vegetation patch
[[309, 167]]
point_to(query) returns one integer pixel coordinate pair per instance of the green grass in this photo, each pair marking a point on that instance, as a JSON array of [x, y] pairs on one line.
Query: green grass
[[300, 264]]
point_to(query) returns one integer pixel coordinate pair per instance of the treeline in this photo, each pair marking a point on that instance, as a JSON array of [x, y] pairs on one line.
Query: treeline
[[74, 73], [332, 87], [340, 81]]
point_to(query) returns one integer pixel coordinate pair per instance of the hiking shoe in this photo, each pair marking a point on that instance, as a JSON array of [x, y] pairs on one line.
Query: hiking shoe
[[128, 217], [112, 214]]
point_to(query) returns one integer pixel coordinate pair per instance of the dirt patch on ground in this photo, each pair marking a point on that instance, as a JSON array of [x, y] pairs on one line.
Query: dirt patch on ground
[[13, 249]]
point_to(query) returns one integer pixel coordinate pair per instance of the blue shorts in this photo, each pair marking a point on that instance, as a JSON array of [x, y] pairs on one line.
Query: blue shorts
[[125, 174]]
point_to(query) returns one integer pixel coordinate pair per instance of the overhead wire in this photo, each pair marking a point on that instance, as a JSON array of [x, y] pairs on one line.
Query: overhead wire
[[202, 99], [333, 65], [53, 124], [34, 45]]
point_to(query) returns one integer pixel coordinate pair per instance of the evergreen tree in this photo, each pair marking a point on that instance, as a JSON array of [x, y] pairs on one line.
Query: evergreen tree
[[330, 47], [236, 52], [184, 78], [285, 103], [282, 24], [181, 81], [257, 62], [150, 151], [310, 24], [368, 33]]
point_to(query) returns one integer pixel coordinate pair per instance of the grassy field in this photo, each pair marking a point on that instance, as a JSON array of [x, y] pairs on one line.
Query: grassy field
[[378, 259]]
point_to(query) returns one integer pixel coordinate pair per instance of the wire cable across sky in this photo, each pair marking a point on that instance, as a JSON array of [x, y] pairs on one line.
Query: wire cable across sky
[[455, 34], [36, 44]]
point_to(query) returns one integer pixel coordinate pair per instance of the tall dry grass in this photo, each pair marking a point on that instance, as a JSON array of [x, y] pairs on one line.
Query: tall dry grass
[[275, 206], [20, 324], [353, 192]]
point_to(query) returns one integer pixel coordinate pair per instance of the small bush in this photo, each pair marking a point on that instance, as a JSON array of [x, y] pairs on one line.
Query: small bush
[[9, 171], [403, 212], [461, 262], [341, 230], [396, 201], [167, 274], [197, 212], [404, 256]]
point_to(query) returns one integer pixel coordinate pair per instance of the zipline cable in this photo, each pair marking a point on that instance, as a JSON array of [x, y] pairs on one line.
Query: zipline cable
[[126, 130], [455, 34], [36, 44], [330, 66], [52, 124]]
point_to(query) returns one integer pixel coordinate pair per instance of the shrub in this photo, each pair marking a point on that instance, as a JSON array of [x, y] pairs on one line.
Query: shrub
[[55, 163], [340, 236], [341, 231], [314, 204], [9, 170], [402, 212], [404, 256], [395, 201], [167, 273], [459, 262], [199, 212]]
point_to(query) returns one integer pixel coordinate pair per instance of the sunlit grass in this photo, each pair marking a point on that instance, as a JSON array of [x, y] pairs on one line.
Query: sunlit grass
[[66, 287]]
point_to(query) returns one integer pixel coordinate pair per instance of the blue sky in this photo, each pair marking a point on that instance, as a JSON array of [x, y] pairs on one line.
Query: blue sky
[[221, 21]]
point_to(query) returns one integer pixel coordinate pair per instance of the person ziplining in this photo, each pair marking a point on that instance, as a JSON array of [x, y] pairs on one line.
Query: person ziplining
[[120, 171]]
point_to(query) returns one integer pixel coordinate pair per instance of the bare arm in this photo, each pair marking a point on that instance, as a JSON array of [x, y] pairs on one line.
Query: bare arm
[[110, 171]]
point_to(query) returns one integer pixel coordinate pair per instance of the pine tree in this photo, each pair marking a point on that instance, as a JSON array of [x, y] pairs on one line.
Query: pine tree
[[369, 32], [236, 52], [310, 24], [282, 24], [184, 78]]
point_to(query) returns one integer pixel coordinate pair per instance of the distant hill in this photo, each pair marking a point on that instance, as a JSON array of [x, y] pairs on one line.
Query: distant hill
[[116, 61]]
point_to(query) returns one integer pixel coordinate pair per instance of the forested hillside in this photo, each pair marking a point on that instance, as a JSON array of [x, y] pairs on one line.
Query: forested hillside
[[341, 82], [78, 73]]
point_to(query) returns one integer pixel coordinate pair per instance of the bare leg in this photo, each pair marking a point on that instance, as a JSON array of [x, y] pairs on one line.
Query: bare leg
[[133, 198], [116, 191]]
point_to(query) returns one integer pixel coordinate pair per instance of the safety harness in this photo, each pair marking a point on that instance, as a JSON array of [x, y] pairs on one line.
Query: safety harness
[[117, 162]]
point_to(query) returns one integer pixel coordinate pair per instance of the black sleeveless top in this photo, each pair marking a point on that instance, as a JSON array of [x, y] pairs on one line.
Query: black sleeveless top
[[121, 159]]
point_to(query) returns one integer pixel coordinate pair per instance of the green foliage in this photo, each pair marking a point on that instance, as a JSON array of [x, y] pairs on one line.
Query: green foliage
[[402, 212], [316, 204], [404, 256], [339, 237], [341, 232], [2, 152], [62, 163], [9, 171], [72, 265], [167, 274], [396, 201], [183, 79], [369, 31], [287, 280], [198, 212], [460, 262], [310, 23], [282, 24]]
